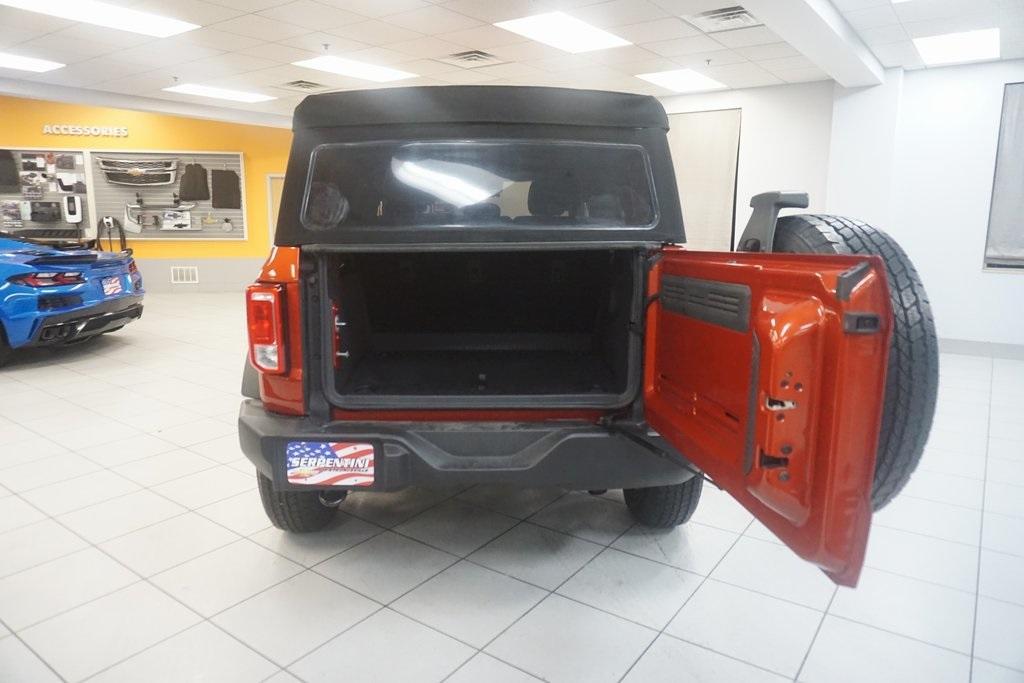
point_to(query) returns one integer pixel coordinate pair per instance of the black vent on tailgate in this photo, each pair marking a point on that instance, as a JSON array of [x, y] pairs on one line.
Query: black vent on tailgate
[[720, 303]]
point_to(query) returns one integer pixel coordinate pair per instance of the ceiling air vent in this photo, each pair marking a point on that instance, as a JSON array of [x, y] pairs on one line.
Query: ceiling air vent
[[723, 19], [472, 58], [304, 86]]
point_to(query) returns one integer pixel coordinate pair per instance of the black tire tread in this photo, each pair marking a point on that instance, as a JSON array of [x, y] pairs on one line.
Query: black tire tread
[[664, 507], [913, 365], [298, 511]]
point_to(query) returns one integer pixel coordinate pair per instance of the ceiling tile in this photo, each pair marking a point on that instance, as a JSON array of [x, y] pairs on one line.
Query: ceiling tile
[[684, 7], [660, 29], [743, 37], [221, 40], [649, 66], [883, 35], [377, 55], [248, 5], [426, 47], [786, 64], [63, 49], [279, 53], [311, 15], [619, 13], [227, 64], [511, 70], [745, 75], [770, 51], [314, 42], [682, 46], [709, 59], [377, 8], [90, 72], [425, 67], [934, 27], [627, 54], [432, 20], [942, 9], [872, 17], [847, 5], [195, 11], [13, 36], [98, 34], [490, 11], [465, 77], [164, 53], [482, 37], [24, 20], [802, 75], [375, 32], [526, 51], [255, 26], [561, 63]]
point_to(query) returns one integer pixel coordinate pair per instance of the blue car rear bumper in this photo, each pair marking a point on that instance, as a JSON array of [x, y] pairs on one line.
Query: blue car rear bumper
[[86, 322]]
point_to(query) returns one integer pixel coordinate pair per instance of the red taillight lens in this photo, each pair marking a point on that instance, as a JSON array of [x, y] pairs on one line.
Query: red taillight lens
[[132, 268], [264, 308], [48, 279]]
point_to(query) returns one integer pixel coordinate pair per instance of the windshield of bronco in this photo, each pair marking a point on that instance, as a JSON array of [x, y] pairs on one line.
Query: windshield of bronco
[[479, 183]]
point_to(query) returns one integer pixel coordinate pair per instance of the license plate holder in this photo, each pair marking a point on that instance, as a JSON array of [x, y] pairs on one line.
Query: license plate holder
[[112, 285], [325, 464]]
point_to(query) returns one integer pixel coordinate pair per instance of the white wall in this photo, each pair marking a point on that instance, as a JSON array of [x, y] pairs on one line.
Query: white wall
[[942, 183], [784, 138]]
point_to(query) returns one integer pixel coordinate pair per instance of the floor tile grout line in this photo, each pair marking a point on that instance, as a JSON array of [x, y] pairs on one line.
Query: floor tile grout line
[[685, 602], [13, 634], [981, 534], [814, 638]]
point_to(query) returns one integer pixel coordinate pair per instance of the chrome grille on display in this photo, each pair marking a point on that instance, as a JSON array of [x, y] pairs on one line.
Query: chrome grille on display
[[139, 171]]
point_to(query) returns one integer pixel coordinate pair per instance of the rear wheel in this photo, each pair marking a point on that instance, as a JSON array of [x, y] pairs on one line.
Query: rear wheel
[[5, 348], [298, 511], [913, 370], [664, 507]]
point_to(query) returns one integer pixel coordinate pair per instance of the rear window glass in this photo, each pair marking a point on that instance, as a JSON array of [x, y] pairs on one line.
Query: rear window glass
[[472, 183]]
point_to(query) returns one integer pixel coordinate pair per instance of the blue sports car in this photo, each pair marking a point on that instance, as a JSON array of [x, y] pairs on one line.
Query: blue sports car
[[51, 296]]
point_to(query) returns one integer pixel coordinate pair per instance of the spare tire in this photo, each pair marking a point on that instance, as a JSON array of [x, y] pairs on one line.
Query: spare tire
[[913, 372]]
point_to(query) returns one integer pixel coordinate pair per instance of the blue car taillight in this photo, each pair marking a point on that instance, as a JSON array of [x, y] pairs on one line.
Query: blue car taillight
[[48, 279]]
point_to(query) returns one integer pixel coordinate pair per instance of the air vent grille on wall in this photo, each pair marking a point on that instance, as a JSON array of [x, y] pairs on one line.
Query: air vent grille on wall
[[304, 86], [184, 275], [723, 19], [472, 59]]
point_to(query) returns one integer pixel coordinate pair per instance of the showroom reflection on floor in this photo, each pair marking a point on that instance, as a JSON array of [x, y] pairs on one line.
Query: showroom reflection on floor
[[133, 546]]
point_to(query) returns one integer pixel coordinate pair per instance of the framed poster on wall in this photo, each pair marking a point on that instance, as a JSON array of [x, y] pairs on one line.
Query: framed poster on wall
[[171, 195]]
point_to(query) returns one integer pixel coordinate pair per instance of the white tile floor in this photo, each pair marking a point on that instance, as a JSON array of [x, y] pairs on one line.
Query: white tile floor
[[133, 547]]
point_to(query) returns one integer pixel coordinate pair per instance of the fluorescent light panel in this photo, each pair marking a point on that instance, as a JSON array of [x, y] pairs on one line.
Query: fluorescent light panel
[[219, 93], [354, 69], [682, 80], [9, 61], [105, 14], [558, 29], [957, 48]]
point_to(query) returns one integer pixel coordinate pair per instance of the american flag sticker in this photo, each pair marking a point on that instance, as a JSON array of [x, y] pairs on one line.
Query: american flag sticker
[[111, 286], [329, 463]]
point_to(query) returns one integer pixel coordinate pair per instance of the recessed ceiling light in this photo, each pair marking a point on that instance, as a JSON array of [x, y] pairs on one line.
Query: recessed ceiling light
[[350, 67], [105, 14], [558, 29], [9, 61], [219, 93], [682, 80], [956, 48]]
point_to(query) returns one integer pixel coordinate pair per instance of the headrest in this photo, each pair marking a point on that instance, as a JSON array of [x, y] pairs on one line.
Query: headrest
[[553, 196]]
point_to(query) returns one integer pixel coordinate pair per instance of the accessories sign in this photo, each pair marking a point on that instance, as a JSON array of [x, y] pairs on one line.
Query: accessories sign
[[89, 131]]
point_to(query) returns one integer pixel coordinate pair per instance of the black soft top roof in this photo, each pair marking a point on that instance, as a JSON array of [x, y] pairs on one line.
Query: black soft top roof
[[480, 104]]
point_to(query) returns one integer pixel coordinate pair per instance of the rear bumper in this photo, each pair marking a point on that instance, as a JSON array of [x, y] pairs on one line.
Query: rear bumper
[[573, 455], [87, 322]]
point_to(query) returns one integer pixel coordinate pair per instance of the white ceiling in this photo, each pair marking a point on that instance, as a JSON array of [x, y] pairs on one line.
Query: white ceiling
[[888, 29], [251, 44]]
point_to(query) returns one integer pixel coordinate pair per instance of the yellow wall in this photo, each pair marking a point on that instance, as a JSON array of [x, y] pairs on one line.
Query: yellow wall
[[264, 150]]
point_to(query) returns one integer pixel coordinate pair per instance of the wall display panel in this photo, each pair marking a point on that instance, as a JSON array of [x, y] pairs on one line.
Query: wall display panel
[[171, 195], [44, 193]]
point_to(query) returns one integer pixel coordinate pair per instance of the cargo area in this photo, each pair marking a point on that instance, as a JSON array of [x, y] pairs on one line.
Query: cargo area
[[488, 329]]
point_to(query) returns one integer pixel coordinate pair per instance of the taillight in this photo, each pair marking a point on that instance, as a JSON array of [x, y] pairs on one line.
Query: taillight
[[132, 267], [48, 279], [265, 312]]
